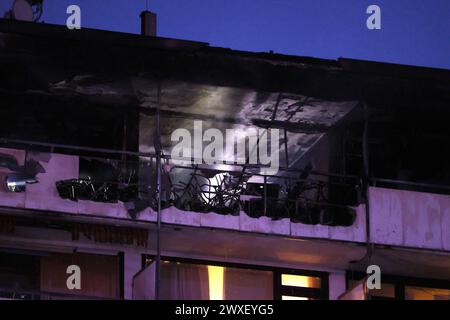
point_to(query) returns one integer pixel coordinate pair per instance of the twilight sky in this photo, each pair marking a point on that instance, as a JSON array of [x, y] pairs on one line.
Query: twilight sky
[[414, 32]]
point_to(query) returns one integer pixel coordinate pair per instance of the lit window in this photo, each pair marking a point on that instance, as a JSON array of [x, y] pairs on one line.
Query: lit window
[[184, 281], [300, 287], [293, 298], [420, 293], [215, 275], [300, 281]]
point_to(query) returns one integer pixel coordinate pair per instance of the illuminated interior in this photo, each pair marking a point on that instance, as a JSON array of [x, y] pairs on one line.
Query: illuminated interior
[[420, 293], [293, 298], [215, 275], [300, 281], [185, 281]]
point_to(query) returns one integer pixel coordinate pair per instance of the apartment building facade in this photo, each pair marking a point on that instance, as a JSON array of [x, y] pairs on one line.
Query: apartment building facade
[[89, 179]]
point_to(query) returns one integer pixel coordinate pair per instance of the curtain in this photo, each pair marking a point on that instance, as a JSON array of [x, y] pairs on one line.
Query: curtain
[[245, 284], [181, 281], [99, 275]]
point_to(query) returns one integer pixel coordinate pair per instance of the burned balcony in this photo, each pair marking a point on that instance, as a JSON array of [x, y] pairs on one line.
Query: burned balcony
[[190, 195], [306, 198], [302, 200], [292, 202], [101, 137]]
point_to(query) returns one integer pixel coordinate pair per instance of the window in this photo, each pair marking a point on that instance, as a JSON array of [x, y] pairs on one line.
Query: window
[[387, 291], [215, 280], [183, 279], [295, 286], [43, 275], [300, 281], [422, 293], [293, 298], [18, 272], [405, 288]]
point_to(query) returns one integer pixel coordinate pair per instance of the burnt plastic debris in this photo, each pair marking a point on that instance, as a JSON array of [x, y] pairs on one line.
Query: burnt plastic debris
[[86, 189], [304, 201], [102, 181], [208, 191], [17, 180], [136, 206], [8, 161]]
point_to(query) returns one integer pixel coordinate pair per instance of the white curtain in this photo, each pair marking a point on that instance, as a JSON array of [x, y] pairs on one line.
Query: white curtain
[[245, 284], [184, 282], [180, 281]]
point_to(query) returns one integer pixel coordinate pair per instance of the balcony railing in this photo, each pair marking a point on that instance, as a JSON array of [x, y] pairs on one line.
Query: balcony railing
[[306, 202], [303, 196]]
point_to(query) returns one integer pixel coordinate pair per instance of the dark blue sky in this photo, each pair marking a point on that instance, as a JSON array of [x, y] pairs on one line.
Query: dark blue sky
[[415, 32]]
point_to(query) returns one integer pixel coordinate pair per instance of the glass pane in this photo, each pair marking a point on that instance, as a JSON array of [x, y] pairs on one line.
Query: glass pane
[[246, 284], [293, 298], [182, 281], [215, 282], [421, 293], [300, 281]]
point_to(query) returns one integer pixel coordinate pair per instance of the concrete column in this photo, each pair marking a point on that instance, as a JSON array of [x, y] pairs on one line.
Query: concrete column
[[132, 265], [337, 284]]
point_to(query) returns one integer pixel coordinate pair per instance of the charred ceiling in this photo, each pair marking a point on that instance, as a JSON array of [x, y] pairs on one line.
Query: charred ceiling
[[35, 55]]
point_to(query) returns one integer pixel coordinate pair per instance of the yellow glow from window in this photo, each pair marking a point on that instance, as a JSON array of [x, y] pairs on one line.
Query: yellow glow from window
[[293, 298], [300, 281], [420, 293], [215, 275]]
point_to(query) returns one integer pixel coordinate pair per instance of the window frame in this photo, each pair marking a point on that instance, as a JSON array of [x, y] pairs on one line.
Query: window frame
[[278, 289], [281, 290], [400, 283]]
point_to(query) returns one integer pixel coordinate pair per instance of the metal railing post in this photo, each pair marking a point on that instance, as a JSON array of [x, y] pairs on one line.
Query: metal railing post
[[158, 194]]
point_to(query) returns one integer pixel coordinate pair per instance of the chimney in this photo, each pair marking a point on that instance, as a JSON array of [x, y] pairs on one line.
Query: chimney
[[148, 23]]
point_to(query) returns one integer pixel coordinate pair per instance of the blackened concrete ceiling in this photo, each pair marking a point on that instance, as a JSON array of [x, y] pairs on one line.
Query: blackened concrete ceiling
[[305, 119]]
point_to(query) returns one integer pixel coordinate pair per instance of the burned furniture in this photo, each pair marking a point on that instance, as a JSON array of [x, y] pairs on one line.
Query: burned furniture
[[101, 181], [19, 176]]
